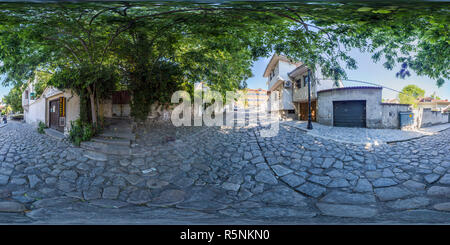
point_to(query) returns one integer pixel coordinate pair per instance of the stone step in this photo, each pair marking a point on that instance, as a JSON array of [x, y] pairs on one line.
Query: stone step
[[54, 133], [120, 129], [118, 121], [106, 148], [112, 141], [97, 156], [122, 135]]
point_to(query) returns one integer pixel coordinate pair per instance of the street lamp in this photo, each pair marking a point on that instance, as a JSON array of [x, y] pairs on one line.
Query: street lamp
[[309, 101]]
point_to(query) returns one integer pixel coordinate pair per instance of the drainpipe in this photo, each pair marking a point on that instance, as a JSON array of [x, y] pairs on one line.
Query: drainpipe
[[309, 101]]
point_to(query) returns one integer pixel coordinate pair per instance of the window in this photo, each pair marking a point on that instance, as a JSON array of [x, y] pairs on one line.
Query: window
[[26, 94], [298, 83]]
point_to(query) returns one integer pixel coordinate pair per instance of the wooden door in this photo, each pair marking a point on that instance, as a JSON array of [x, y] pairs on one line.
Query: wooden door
[[304, 111], [54, 115]]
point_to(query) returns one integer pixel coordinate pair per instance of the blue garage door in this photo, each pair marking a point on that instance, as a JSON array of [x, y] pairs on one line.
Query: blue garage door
[[350, 113]]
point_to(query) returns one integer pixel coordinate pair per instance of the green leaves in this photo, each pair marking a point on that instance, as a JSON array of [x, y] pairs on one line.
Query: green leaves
[[14, 99], [410, 94], [157, 48]]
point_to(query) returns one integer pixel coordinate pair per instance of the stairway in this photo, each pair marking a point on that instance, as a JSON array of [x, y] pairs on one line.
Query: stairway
[[115, 139]]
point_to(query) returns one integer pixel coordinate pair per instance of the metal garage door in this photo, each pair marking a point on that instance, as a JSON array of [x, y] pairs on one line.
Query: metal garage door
[[351, 113]]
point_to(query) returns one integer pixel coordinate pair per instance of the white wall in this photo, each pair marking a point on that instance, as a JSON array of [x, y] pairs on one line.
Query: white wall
[[35, 112], [106, 108], [281, 71], [72, 107], [391, 118], [434, 106], [427, 117], [286, 99], [372, 96]]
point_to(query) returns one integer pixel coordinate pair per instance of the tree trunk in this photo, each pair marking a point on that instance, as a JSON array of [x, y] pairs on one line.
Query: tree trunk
[[97, 103], [93, 106]]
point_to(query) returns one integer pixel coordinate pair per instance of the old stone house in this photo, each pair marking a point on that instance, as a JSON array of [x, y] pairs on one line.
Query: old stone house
[[53, 107], [331, 103], [57, 108]]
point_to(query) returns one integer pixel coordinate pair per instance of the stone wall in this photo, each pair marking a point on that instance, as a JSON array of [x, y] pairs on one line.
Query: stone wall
[[372, 96], [426, 117], [160, 112], [390, 114]]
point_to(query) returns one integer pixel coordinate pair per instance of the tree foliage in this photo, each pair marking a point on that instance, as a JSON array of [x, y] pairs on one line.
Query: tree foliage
[[410, 94], [14, 99], [153, 49]]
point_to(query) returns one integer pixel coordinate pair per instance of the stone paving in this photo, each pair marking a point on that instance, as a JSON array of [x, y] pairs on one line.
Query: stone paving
[[364, 135], [213, 175]]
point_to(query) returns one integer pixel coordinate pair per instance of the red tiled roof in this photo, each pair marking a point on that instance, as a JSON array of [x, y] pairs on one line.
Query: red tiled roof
[[431, 99]]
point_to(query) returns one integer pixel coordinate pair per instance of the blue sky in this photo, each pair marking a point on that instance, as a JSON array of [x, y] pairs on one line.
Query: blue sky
[[367, 71], [3, 90]]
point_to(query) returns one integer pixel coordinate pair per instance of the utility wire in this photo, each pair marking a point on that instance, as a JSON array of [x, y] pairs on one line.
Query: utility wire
[[358, 81]]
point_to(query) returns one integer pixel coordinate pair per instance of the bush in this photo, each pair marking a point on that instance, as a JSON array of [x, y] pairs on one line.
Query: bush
[[41, 127], [81, 131]]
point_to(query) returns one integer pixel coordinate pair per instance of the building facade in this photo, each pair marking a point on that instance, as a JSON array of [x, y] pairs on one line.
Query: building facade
[[255, 98], [288, 82], [432, 104], [332, 103], [301, 76], [280, 85], [54, 107]]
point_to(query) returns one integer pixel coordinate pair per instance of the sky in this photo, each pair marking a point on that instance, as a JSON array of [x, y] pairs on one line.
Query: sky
[[3, 90], [367, 71]]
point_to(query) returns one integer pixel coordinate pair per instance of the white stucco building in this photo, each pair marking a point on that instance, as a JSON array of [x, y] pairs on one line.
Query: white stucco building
[[289, 81], [280, 85], [54, 107]]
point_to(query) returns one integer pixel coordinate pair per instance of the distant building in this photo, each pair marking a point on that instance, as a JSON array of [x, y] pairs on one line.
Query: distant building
[[392, 101], [256, 97], [433, 104]]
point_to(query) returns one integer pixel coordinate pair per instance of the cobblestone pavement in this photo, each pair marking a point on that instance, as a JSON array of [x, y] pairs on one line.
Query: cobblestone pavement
[[364, 135], [212, 175]]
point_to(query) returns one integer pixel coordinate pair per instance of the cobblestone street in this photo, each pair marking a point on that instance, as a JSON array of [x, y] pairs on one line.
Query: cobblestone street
[[213, 175]]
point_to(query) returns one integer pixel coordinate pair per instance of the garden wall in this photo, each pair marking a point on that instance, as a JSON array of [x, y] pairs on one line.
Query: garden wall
[[390, 114], [426, 117]]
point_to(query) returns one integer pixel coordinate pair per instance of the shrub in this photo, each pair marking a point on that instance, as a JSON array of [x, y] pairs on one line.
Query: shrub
[[88, 132], [81, 131], [41, 127]]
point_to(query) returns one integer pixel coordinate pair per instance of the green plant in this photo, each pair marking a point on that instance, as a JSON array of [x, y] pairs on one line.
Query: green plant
[[81, 131], [41, 127], [88, 132]]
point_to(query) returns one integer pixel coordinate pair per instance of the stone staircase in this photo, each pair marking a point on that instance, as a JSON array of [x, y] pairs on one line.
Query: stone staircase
[[116, 139]]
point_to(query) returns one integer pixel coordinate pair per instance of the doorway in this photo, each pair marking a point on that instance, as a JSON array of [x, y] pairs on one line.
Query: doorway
[[303, 109], [54, 115]]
